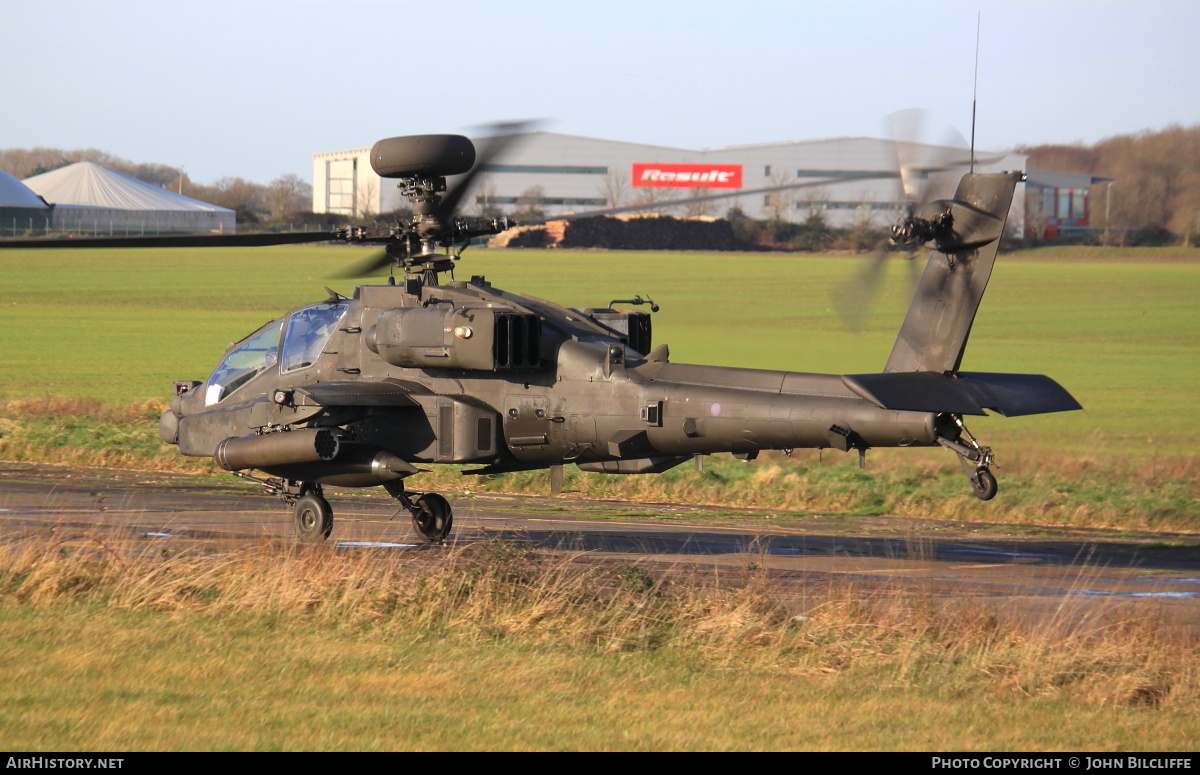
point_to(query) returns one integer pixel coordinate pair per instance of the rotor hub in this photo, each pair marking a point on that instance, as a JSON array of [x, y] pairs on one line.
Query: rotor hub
[[914, 230]]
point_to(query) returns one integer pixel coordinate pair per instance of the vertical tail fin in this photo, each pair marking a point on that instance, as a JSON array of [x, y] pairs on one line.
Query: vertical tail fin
[[943, 308]]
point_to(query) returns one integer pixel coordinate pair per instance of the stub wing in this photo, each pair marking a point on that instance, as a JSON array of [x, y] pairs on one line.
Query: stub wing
[[386, 393], [969, 392]]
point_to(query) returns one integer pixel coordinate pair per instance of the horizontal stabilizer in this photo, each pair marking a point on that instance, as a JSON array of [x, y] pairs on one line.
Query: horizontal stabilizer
[[1012, 395]]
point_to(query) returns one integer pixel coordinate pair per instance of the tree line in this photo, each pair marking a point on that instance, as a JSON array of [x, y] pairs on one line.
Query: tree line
[[1157, 176], [284, 201]]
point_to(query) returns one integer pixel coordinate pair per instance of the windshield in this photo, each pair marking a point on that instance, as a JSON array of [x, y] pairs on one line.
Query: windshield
[[255, 354], [308, 331]]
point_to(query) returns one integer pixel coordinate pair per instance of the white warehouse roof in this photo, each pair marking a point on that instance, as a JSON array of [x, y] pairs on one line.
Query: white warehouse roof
[[86, 195], [90, 184]]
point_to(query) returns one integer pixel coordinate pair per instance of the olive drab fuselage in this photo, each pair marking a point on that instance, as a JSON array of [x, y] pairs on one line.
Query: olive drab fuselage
[[582, 396]]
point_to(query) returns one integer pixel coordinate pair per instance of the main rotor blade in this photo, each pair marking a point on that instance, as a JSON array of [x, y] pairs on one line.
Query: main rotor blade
[[503, 136], [180, 240], [366, 267], [875, 175]]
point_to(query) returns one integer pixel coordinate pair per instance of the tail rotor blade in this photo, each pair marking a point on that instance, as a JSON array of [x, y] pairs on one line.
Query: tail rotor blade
[[853, 300], [906, 128], [914, 271]]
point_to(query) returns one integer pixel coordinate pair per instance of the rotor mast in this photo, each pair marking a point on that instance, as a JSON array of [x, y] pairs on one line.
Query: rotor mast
[[421, 163], [427, 262]]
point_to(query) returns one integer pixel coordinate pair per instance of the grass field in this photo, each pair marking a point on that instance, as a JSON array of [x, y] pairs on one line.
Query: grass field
[[286, 650], [1117, 329]]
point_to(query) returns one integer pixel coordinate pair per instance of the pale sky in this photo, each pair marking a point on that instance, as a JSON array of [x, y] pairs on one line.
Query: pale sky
[[253, 88]]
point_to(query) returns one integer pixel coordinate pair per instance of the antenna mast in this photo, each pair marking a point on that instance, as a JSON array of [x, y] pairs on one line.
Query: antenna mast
[[975, 87]]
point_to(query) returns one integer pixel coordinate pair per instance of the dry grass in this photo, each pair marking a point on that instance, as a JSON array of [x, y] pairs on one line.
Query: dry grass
[[502, 593], [86, 431]]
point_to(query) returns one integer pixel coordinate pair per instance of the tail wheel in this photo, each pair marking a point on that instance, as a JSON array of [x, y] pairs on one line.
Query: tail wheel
[[313, 519], [432, 516], [984, 484]]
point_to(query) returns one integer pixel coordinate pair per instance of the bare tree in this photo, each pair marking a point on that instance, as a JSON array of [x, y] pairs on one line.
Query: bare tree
[[654, 199], [865, 231], [27, 162], [778, 204], [485, 198], [529, 203], [366, 198], [815, 204], [247, 199], [698, 209], [287, 194], [614, 187], [1157, 173]]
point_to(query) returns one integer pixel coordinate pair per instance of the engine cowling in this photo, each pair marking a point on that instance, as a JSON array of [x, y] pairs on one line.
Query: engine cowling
[[479, 339]]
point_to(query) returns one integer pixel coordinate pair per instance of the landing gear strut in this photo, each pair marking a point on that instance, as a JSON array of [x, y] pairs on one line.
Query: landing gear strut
[[311, 513], [432, 516], [976, 461]]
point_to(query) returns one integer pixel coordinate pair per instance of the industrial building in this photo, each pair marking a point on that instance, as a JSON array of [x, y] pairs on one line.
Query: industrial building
[[1058, 204], [846, 180]]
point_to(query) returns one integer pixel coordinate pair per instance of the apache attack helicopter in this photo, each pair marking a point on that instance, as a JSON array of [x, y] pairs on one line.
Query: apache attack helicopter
[[359, 392]]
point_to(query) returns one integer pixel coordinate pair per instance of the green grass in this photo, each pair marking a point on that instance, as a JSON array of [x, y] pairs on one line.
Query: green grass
[[1118, 329]]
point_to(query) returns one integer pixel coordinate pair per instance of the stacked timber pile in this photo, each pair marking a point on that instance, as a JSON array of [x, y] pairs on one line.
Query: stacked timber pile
[[555, 231], [522, 237], [628, 232], [545, 235], [652, 232]]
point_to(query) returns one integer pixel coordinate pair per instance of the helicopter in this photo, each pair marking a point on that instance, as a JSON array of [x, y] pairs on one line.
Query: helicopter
[[361, 391]]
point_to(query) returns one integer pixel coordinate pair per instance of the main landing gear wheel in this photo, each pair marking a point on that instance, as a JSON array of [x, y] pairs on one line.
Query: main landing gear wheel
[[984, 485], [313, 518], [432, 516]]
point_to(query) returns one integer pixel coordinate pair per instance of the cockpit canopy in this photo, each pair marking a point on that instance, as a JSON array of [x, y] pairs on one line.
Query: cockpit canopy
[[308, 329]]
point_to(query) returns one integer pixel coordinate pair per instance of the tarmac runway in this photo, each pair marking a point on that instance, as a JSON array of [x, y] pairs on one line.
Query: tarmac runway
[[1057, 574]]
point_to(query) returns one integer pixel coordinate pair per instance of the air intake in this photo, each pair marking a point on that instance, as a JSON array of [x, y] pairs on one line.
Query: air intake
[[517, 341]]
